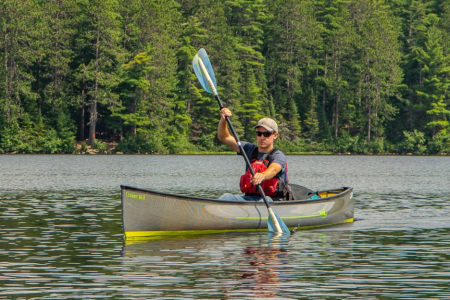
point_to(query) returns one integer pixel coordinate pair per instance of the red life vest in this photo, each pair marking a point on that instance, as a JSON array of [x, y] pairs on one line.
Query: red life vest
[[270, 186]]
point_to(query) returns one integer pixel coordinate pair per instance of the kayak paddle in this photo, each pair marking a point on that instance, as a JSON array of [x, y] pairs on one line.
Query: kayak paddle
[[205, 74]]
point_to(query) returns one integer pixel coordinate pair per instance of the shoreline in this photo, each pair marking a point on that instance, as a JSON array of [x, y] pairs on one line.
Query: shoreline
[[96, 152], [109, 149]]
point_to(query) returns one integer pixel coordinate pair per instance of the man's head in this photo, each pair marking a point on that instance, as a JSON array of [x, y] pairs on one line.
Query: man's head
[[267, 133]]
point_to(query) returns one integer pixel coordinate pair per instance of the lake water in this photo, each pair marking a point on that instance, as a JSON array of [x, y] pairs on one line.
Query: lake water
[[61, 234]]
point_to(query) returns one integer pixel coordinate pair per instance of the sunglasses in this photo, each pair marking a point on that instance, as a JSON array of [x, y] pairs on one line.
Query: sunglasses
[[266, 134]]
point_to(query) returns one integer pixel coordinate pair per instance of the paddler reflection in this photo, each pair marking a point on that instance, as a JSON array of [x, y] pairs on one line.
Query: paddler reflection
[[263, 277]]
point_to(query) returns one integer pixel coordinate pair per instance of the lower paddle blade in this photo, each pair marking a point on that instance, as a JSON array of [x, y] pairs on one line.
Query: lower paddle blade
[[271, 222]]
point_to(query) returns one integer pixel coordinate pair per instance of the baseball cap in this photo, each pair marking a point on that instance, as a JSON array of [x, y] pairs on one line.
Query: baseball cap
[[268, 124]]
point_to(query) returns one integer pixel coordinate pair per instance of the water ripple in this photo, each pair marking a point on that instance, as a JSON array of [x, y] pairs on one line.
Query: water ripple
[[61, 233]]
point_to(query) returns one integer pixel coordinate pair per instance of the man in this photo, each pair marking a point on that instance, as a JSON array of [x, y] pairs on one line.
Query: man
[[268, 163]]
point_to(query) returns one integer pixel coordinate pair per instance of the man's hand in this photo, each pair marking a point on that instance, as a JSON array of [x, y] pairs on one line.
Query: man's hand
[[258, 178], [225, 112]]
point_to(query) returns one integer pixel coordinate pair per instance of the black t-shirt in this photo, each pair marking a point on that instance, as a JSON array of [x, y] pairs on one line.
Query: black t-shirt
[[277, 157]]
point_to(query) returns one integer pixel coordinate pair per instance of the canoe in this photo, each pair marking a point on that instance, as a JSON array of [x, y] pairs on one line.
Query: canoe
[[151, 213]]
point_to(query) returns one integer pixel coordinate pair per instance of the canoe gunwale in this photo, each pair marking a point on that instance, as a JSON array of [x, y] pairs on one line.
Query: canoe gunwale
[[339, 193]]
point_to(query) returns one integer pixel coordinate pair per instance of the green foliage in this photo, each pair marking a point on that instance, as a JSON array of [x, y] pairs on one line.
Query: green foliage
[[302, 146], [293, 34], [206, 142], [439, 144], [178, 144], [377, 146], [339, 76], [414, 142], [35, 138], [432, 91], [84, 147], [50, 143], [101, 147], [250, 110], [9, 140], [66, 133], [346, 143], [140, 143]]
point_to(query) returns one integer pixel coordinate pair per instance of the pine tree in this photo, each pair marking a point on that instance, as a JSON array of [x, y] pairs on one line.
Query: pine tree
[[415, 19], [293, 36], [151, 109], [433, 91], [99, 55], [378, 65], [207, 28], [337, 55], [19, 46], [247, 19]]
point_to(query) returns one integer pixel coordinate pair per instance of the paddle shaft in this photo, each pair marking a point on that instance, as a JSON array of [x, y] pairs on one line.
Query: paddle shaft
[[233, 132], [241, 149]]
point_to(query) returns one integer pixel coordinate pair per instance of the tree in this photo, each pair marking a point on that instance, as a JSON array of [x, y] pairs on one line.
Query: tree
[[99, 56], [291, 41], [207, 28], [415, 17], [18, 44], [432, 93], [337, 56], [378, 65], [151, 108]]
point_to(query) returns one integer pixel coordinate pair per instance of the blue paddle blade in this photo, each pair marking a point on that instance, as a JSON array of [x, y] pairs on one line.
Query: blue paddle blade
[[278, 240], [273, 228], [203, 73]]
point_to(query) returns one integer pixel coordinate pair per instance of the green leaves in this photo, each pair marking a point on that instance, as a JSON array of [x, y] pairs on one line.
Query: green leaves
[[341, 75], [432, 91]]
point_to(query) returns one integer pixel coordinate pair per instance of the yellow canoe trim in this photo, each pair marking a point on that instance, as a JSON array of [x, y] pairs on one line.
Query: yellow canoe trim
[[167, 233]]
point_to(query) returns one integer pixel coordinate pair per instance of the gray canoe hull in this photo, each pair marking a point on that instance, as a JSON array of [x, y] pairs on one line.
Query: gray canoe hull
[[149, 213]]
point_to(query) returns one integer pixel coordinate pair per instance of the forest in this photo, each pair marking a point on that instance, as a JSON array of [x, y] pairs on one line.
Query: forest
[[339, 76]]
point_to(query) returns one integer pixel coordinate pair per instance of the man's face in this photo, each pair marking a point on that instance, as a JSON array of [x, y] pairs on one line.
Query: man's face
[[265, 138]]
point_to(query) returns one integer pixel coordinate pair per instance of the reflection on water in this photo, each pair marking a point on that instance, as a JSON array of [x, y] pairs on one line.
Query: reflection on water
[[70, 245], [322, 265], [61, 234], [217, 266], [54, 241], [262, 277]]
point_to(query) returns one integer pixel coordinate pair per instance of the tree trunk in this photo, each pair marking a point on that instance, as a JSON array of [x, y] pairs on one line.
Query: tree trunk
[[38, 83], [369, 121], [81, 122], [324, 94], [7, 81], [93, 108], [133, 110], [336, 119], [92, 122], [6, 64]]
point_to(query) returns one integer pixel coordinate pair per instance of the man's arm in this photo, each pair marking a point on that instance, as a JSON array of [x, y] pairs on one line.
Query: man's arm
[[222, 130]]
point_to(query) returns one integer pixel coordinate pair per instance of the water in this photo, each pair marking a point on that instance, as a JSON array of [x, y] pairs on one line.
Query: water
[[61, 234]]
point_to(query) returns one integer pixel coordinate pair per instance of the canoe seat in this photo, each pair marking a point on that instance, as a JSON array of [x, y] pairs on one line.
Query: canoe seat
[[300, 192]]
